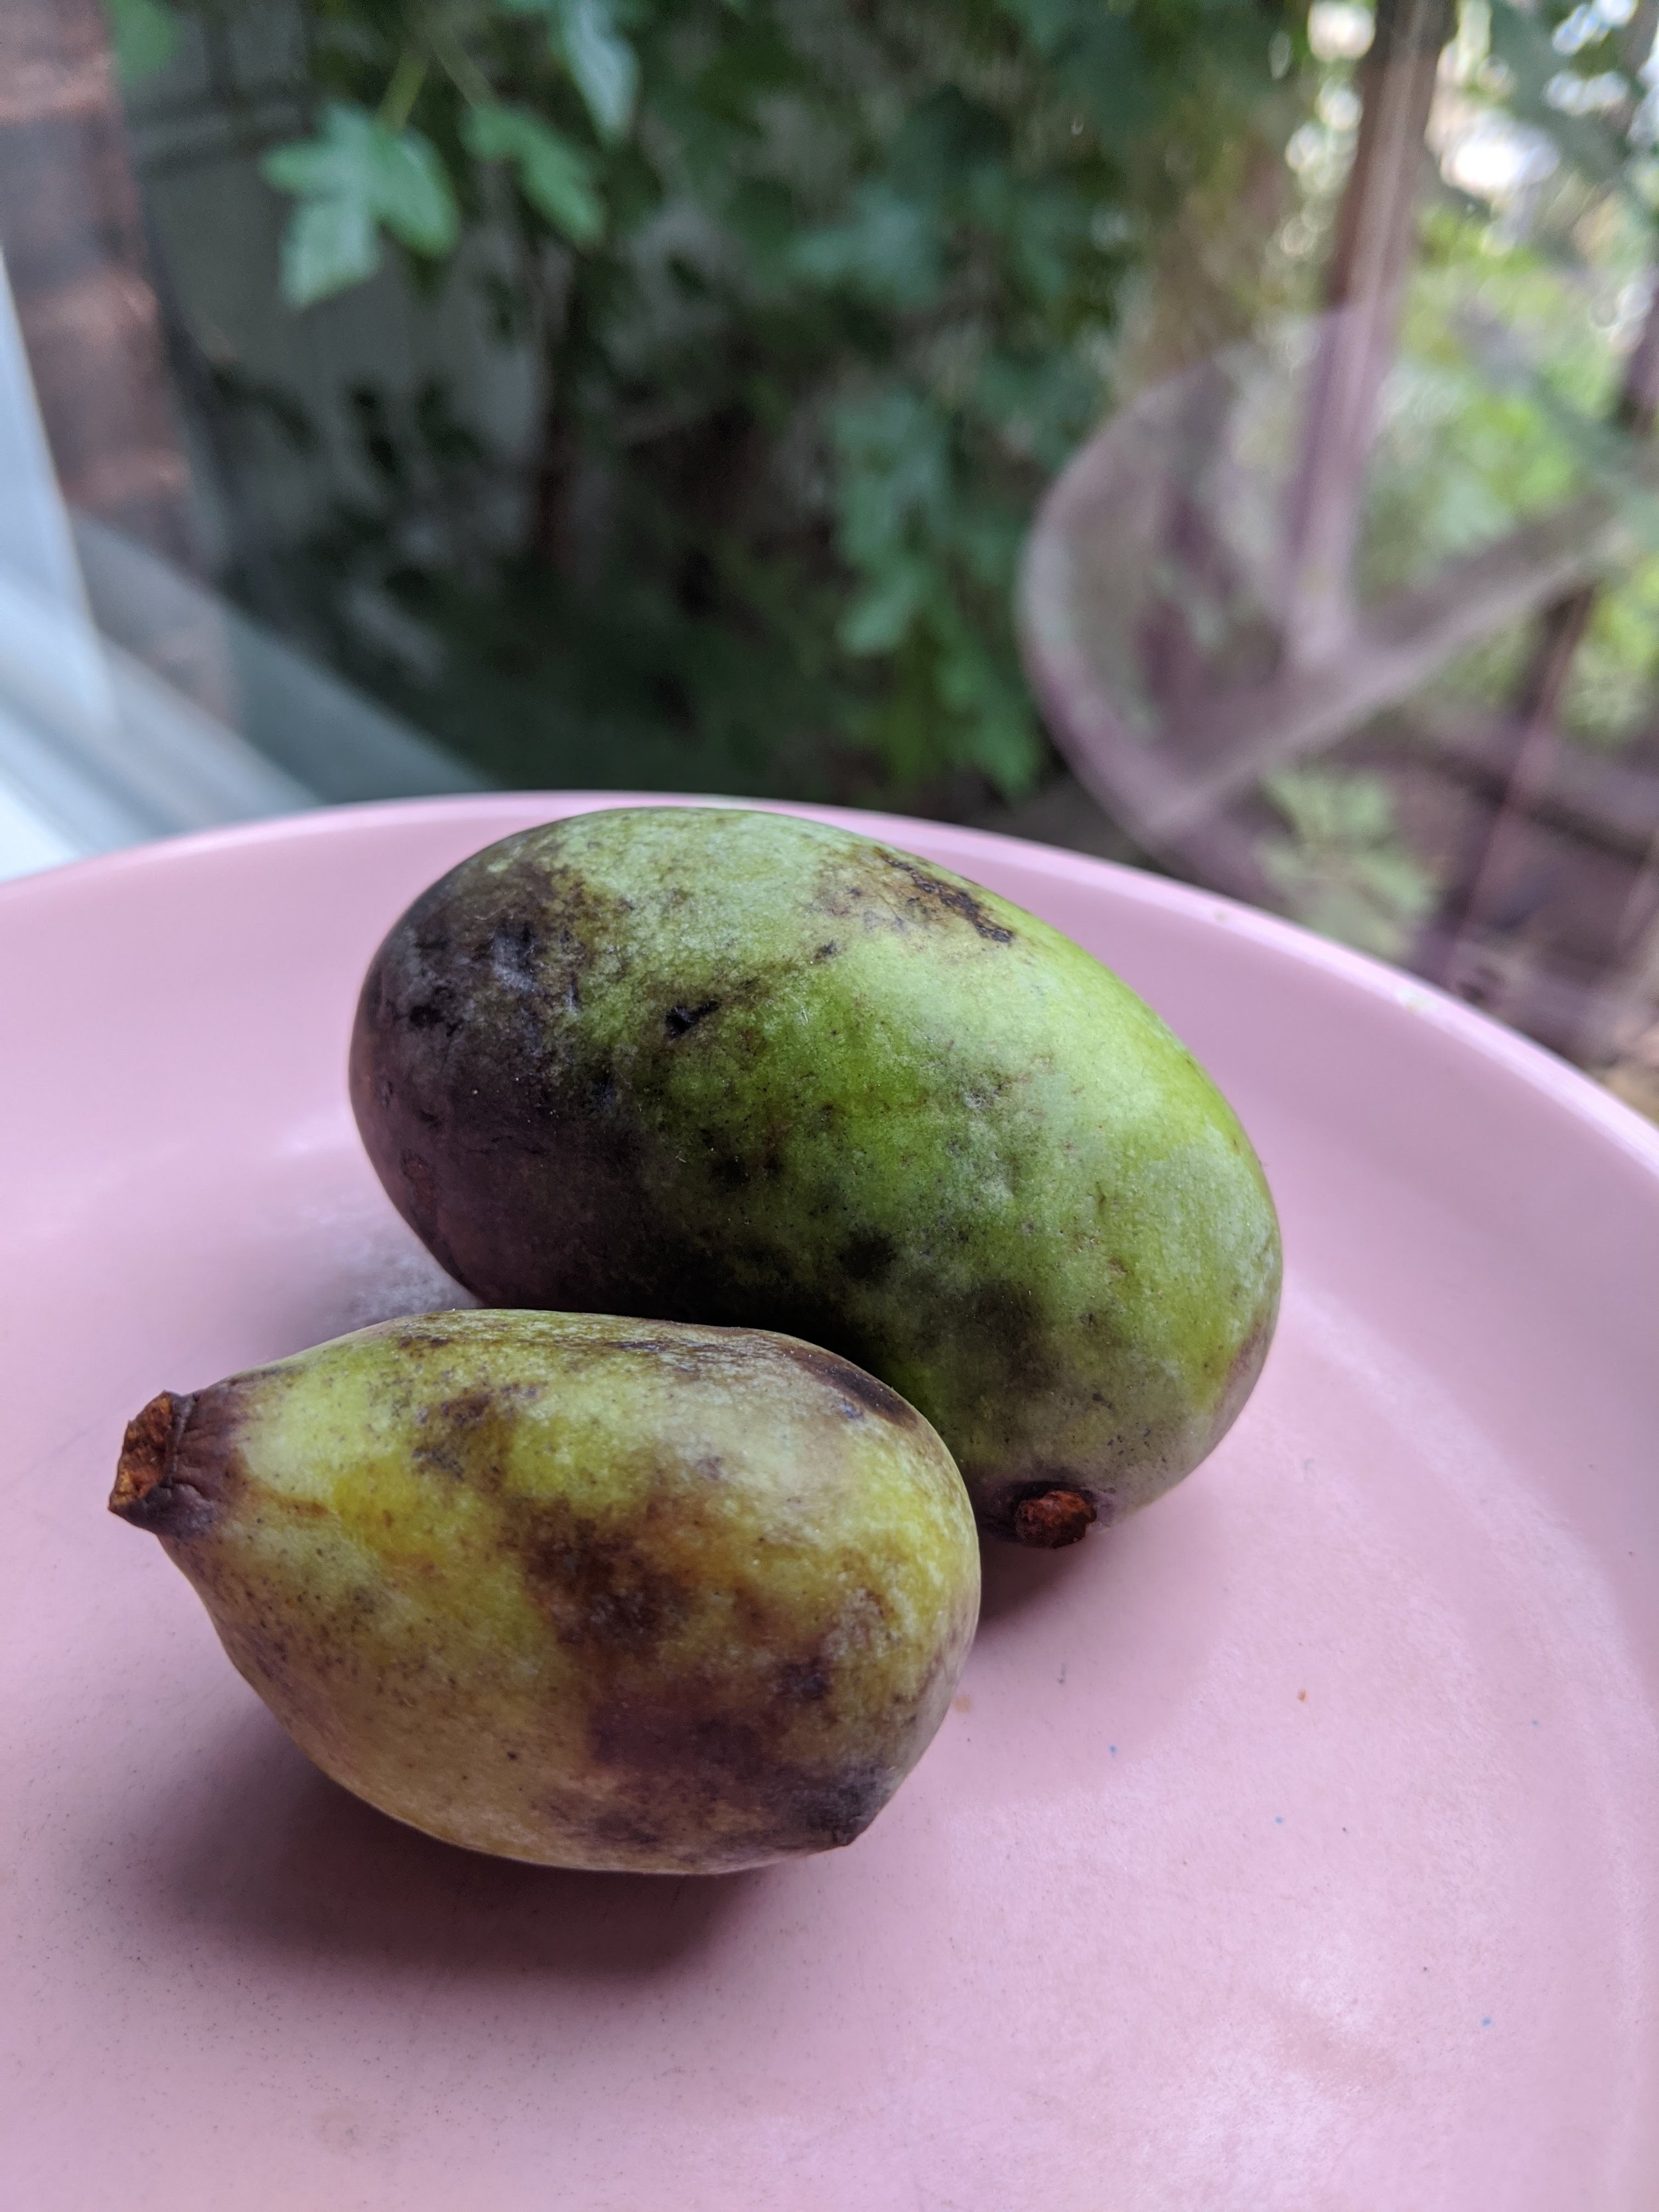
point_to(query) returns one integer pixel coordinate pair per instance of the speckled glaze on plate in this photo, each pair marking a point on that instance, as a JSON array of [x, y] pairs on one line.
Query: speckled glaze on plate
[[1295, 1848]]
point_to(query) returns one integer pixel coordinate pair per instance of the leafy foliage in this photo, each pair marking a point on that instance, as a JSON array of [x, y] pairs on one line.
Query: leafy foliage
[[1527, 299], [145, 35], [555, 176], [355, 175], [822, 293], [1345, 868], [1481, 445]]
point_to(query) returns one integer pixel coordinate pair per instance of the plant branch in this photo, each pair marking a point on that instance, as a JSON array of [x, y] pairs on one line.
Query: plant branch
[[404, 89], [463, 72]]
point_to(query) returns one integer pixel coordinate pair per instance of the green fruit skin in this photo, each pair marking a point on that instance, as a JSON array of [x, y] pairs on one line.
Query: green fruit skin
[[575, 1590], [735, 1067]]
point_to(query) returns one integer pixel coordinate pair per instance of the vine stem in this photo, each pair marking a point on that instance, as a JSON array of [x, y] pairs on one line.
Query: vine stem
[[463, 73], [404, 88]]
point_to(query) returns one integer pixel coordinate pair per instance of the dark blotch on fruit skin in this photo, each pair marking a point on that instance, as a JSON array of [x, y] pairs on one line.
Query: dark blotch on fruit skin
[[448, 954], [955, 898], [851, 1381], [684, 1753], [867, 1257], [838, 1808], [806, 1680], [601, 1590]]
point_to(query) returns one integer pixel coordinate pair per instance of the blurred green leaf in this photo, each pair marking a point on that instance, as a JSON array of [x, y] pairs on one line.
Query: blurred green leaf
[[554, 175], [878, 619], [889, 251], [1521, 41], [894, 452], [1049, 22], [602, 63], [146, 35], [355, 175], [331, 244], [1346, 871], [416, 203], [1104, 70], [998, 728]]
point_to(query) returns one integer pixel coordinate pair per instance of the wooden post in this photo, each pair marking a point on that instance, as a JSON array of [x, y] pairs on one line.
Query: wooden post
[[1364, 285]]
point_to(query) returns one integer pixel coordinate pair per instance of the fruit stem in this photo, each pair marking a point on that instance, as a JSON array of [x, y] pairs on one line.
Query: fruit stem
[[1054, 1518], [147, 1451]]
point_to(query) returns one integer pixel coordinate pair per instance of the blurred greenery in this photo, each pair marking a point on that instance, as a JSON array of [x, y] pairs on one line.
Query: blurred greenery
[[822, 292], [1518, 324], [1468, 452], [1521, 310], [1344, 868], [146, 37]]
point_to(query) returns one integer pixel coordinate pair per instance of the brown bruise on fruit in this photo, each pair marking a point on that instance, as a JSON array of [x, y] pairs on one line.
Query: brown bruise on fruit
[[681, 1738], [859, 1392], [674, 1668], [954, 897]]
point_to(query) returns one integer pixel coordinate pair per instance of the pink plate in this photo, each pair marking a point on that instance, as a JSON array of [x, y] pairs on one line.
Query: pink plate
[[1294, 1849]]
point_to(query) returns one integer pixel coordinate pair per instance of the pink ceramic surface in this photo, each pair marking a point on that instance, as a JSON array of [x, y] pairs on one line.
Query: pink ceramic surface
[[1294, 1847]]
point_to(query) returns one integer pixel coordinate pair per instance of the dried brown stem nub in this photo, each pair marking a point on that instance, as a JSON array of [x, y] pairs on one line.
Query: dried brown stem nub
[[1057, 1517], [147, 1456]]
